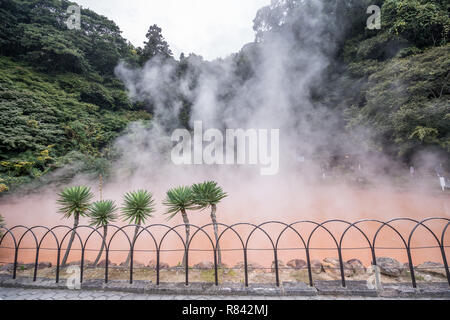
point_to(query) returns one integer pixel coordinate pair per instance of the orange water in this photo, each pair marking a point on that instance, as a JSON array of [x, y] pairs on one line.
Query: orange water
[[318, 203]]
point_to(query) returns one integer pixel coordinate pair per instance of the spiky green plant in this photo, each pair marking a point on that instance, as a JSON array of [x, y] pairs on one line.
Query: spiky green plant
[[101, 214], [138, 206], [179, 200], [208, 195], [74, 202]]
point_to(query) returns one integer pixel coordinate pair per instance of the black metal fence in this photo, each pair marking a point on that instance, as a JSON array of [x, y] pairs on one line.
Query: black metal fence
[[304, 241]]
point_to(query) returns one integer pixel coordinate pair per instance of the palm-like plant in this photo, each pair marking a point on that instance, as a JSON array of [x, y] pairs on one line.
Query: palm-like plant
[[74, 202], [180, 200], [137, 208], [101, 214], [209, 194]]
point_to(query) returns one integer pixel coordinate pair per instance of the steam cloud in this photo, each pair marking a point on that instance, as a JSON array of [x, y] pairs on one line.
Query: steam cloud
[[275, 94]]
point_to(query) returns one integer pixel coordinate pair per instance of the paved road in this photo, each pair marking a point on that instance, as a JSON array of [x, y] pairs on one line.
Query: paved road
[[49, 294]]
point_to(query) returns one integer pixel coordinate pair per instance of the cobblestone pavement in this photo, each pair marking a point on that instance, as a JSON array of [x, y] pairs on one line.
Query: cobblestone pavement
[[49, 294]]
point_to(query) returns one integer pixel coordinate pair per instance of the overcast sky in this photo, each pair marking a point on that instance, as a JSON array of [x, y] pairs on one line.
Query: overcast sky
[[211, 28]]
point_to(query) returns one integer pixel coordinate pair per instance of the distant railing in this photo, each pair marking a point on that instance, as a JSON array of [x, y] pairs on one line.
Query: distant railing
[[304, 240]]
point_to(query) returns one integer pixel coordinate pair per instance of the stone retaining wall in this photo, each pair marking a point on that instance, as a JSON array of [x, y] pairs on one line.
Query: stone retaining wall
[[321, 288]]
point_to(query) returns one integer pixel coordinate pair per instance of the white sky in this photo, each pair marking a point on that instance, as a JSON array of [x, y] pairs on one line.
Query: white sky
[[211, 28]]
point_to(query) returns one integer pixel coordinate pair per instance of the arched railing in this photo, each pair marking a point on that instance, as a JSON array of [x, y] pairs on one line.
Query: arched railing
[[17, 235]]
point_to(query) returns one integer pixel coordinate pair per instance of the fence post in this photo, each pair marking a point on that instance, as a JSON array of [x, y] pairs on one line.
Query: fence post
[[245, 267], [57, 264], [106, 265], [445, 263], [187, 266], [216, 276], [341, 265], [82, 265], [411, 268], [131, 264], [16, 253], [157, 266], [308, 260], [36, 265], [277, 275]]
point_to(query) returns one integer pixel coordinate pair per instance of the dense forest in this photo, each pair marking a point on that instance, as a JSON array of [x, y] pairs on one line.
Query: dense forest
[[61, 102]]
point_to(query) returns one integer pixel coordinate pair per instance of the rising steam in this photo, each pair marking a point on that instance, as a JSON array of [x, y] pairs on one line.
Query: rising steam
[[275, 94]]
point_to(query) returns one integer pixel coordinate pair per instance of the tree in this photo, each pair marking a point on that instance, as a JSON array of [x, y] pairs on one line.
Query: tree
[[179, 200], [97, 94], [74, 203], [422, 22], [407, 119], [155, 46], [137, 208], [3, 188], [102, 213], [37, 32], [2, 224], [209, 194]]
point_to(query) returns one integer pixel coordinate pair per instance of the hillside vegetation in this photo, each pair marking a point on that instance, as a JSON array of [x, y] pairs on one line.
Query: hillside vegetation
[[61, 103]]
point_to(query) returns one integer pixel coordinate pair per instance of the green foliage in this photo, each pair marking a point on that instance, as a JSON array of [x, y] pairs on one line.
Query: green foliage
[[406, 104], [2, 224], [281, 16], [45, 114], [210, 275], [207, 194], [97, 94], [61, 105], [155, 45], [395, 86], [58, 89], [36, 31], [381, 47], [178, 200], [3, 187], [423, 134], [102, 213], [138, 207], [422, 22], [75, 201], [50, 50]]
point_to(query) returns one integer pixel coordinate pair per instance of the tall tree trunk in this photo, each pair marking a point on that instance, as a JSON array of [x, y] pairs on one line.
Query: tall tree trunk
[[105, 232], [216, 233], [69, 246], [188, 232], [127, 262]]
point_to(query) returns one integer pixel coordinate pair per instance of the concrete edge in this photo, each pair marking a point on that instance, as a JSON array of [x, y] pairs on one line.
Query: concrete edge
[[322, 288]]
